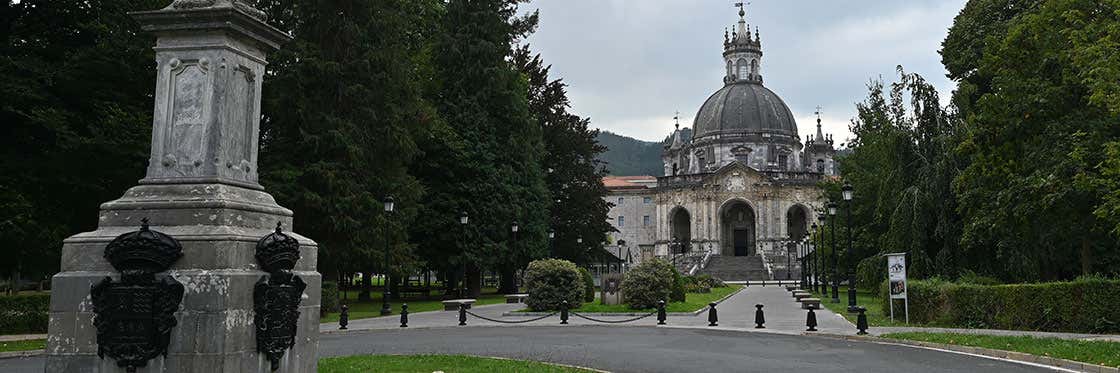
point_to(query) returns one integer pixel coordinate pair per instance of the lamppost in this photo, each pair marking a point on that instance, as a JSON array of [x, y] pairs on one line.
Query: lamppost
[[848, 191], [579, 249], [513, 281], [804, 264], [463, 219], [789, 260], [551, 247], [385, 308], [621, 244], [835, 275], [814, 268], [674, 246]]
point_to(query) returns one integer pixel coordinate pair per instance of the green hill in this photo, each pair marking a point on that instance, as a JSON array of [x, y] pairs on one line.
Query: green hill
[[626, 156]]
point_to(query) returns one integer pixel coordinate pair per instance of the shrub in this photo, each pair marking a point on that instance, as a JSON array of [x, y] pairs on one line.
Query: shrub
[[24, 314], [588, 285], [678, 293], [552, 281], [1080, 306], [328, 299], [706, 281], [648, 283]]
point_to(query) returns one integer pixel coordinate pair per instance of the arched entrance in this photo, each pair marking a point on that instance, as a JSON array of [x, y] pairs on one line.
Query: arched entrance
[[737, 224], [796, 219], [680, 227]]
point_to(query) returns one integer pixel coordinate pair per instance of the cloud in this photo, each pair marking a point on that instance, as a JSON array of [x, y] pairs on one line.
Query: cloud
[[631, 64]]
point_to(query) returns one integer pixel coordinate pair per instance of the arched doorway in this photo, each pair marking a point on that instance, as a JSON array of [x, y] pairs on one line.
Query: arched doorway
[[796, 219], [737, 222], [680, 228]]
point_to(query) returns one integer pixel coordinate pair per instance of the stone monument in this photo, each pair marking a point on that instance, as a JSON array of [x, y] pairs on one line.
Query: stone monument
[[178, 288]]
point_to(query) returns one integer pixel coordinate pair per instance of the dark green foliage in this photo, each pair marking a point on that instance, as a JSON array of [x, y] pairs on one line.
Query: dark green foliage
[[678, 292], [552, 281], [24, 314], [646, 284], [329, 297], [705, 280], [573, 173], [1081, 306], [340, 117], [627, 156], [588, 285], [76, 83]]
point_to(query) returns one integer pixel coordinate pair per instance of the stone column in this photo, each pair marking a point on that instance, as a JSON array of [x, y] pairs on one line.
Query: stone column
[[201, 189]]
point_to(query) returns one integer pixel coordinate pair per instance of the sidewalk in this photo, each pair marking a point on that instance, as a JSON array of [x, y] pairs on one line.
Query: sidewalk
[[783, 315]]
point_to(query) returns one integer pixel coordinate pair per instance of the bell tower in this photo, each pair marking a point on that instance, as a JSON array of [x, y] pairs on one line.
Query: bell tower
[[742, 52]]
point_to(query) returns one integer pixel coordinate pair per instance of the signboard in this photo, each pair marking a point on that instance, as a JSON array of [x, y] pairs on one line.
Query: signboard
[[896, 276]]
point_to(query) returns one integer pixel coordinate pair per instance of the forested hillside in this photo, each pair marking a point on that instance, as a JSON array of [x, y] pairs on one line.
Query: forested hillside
[[627, 156]]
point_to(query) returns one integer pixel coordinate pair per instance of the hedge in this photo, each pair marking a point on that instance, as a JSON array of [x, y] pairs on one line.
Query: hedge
[[1081, 306], [328, 298], [24, 314], [552, 281]]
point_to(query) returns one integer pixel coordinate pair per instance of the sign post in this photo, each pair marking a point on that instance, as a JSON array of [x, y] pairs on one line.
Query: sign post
[[896, 274]]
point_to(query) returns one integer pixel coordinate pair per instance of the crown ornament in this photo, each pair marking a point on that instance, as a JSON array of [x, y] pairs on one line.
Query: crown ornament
[[144, 250], [277, 251]]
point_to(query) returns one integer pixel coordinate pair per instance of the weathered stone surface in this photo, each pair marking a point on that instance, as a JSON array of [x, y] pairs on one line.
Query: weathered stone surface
[[201, 188]]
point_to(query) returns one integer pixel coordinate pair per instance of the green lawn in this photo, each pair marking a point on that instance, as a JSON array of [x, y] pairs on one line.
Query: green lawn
[[434, 363], [693, 302], [28, 345], [866, 299], [372, 308], [1093, 352]]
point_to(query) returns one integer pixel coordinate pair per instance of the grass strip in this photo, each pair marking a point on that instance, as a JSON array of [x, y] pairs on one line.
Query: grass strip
[[1093, 352], [26, 345]]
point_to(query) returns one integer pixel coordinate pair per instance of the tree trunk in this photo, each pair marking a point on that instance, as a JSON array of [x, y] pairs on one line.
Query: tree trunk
[[1086, 257], [508, 283], [367, 285], [474, 281]]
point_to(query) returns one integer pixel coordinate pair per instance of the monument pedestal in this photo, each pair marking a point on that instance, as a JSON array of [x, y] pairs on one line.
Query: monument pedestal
[[201, 189]]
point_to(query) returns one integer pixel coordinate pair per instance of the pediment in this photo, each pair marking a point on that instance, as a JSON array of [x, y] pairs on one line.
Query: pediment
[[737, 177]]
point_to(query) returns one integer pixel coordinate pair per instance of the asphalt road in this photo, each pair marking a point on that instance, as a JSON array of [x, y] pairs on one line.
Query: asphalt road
[[645, 349]]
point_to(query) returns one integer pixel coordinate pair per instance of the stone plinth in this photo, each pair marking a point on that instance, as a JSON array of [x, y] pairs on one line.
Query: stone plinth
[[201, 189]]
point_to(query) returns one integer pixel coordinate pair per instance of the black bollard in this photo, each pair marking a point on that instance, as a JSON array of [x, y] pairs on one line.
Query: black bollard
[[759, 318], [861, 321], [462, 314], [811, 320], [404, 315], [713, 317], [564, 312], [344, 317], [660, 312]]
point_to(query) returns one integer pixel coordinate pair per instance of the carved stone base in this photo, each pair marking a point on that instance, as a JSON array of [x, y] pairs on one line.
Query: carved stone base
[[218, 226]]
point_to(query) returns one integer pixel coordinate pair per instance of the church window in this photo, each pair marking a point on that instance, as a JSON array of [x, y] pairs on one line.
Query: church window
[[783, 162], [754, 67], [674, 169], [645, 221], [820, 166], [647, 200], [730, 68], [621, 221], [620, 200], [771, 153], [741, 68]]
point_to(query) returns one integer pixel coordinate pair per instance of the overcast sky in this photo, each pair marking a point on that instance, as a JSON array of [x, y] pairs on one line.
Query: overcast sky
[[630, 64]]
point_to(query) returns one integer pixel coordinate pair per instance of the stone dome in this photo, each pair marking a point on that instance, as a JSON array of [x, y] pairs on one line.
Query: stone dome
[[744, 107]]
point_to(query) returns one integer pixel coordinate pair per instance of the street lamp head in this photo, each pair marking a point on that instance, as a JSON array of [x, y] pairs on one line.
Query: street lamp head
[[621, 242], [389, 204], [514, 227], [832, 208], [463, 218], [814, 227], [579, 240], [551, 234], [847, 190], [820, 218]]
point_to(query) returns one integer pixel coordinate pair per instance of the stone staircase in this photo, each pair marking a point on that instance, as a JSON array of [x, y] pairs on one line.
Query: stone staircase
[[737, 268]]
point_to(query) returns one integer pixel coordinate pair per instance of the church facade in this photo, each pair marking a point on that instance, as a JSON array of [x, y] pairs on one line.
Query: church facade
[[744, 184]]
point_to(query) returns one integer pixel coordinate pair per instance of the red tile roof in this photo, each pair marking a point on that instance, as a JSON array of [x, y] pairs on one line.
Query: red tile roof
[[628, 182]]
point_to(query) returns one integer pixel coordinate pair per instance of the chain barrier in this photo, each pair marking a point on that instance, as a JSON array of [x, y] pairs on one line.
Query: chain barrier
[[511, 321], [613, 321]]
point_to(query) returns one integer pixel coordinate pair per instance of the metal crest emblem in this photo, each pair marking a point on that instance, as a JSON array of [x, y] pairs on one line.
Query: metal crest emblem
[[134, 316], [276, 296]]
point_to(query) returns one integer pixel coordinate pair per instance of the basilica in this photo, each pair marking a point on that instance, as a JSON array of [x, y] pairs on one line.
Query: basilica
[[739, 190]]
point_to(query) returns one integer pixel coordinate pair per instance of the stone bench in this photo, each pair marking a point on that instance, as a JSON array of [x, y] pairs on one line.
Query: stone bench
[[453, 304], [792, 288], [516, 298], [814, 303], [801, 296], [795, 293]]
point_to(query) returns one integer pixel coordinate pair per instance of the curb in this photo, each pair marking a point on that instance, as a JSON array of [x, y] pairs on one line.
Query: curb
[[981, 351], [631, 314]]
